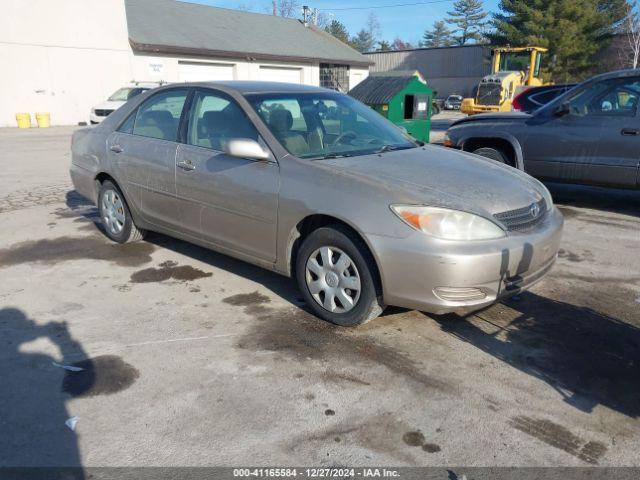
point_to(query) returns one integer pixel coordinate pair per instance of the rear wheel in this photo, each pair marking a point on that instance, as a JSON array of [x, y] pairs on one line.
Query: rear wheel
[[335, 273], [492, 153], [115, 215]]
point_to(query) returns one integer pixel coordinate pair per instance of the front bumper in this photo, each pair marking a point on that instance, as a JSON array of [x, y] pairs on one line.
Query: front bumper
[[423, 273]]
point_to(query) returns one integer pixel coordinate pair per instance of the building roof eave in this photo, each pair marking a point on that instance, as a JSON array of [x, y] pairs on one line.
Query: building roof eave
[[205, 52]]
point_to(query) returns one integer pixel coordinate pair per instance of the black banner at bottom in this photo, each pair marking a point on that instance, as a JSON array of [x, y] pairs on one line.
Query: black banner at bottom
[[398, 473]]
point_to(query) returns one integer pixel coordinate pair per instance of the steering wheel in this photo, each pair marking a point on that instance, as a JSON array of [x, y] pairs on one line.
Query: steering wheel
[[349, 135]]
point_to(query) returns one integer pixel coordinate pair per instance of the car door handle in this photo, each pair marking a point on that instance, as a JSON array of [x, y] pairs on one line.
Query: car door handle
[[629, 132], [188, 166], [116, 148]]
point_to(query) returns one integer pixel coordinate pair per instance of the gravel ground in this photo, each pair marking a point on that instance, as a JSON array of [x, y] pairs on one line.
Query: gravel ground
[[192, 358]]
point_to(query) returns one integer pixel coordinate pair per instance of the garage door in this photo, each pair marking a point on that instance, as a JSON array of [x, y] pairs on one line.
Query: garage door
[[278, 74], [204, 72]]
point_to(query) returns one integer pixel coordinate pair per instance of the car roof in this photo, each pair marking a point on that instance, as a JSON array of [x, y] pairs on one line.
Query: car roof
[[617, 74], [247, 87]]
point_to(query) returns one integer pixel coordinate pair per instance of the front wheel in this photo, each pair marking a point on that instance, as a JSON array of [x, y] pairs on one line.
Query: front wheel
[[492, 153], [115, 215], [336, 275]]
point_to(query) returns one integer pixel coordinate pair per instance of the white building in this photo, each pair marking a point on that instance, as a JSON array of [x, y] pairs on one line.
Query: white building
[[65, 56]]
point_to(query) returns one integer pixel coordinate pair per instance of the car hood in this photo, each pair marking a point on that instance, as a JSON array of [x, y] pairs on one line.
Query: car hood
[[109, 105], [442, 177], [494, 117]]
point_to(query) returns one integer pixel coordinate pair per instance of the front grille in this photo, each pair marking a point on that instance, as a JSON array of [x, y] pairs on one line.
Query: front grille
[[489, 94], [103, 112], [523, 219]]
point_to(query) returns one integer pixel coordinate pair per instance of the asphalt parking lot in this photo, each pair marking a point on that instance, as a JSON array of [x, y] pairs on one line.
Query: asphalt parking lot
[[442, 121], [193, 358]]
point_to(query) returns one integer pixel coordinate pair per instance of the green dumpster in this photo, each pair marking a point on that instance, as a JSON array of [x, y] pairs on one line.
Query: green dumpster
[[402, 97]]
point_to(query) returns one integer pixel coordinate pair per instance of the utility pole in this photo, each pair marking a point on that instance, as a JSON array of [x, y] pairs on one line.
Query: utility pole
[[274, 5]]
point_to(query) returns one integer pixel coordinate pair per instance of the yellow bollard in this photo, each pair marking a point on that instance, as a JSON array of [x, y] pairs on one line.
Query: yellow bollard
[[43, 119], [24, 120]]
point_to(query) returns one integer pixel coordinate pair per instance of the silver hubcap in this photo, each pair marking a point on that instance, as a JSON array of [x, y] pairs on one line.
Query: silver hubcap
[[113, 212], [333, 279]]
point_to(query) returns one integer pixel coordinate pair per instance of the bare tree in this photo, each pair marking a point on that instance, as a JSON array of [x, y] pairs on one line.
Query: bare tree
[[373, 27], [321, 19], [631, 26], [285, 8]]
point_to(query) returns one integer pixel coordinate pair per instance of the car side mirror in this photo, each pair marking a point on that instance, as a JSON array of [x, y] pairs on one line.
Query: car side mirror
[[246, 148], [562, 109]]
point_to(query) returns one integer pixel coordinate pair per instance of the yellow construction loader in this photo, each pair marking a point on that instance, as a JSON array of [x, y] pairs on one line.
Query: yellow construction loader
[[513, 70]]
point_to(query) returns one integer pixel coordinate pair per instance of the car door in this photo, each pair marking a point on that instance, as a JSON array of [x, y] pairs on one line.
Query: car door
[[229, 201], [591, 138], [143, 152]]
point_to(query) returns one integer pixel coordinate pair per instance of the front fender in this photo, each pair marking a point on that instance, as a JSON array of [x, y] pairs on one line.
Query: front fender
[[513, 141]]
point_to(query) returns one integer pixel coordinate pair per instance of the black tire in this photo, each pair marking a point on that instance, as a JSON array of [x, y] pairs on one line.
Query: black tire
[[369, 303], [492, 153], [129, 232]]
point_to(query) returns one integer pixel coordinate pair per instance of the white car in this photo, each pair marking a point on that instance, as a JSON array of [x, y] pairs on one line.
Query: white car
[[115, 101]]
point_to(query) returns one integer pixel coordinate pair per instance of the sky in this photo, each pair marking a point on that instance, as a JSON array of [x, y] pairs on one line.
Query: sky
[[407, 22]]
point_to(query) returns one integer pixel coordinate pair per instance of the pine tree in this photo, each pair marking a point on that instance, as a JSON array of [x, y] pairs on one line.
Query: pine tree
[[468, 19], [439, 36], [363, 41], [574, 31], [384, 46], [338, 30]]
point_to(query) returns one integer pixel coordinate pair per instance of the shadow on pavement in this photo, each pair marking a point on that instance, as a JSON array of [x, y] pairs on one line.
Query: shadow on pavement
[[589, 358], [33, 402], [597, 198]]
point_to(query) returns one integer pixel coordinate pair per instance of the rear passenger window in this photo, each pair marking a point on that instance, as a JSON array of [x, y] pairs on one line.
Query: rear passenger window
[[215, 120], [159, 116]]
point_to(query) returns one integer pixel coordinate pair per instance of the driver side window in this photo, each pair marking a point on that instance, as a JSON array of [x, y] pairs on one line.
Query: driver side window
[[216, 119], [616, 97]]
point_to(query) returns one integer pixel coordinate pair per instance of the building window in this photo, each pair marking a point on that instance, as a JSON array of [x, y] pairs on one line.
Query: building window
[[335, 77]]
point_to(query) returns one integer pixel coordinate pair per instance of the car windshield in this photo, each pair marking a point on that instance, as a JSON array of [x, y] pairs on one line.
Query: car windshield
[[326, 125], [455, 98], [124, 94]]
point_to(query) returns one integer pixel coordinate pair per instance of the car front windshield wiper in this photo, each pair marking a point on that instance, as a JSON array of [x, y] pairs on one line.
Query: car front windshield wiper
[[390, 148], [329, 156]]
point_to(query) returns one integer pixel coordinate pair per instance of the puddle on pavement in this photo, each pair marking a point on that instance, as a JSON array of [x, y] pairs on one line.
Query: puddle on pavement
[[253, 303], [559, 437], [414, 439], [247, 299], [431, 447], [169, 270], [298, 334], [417, 439], [103, 375], [570, 256], [62, 249]]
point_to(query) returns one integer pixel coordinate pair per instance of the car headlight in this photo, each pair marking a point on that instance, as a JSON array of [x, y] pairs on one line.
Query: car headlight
[[544, 191], [448, 224]]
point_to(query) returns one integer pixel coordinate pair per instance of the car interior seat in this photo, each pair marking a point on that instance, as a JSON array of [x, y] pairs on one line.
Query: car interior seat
[[157, 124], [281, 122]]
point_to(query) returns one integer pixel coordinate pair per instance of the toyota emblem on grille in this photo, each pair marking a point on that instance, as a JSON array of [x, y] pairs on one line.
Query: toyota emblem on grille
[[534, 210]]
